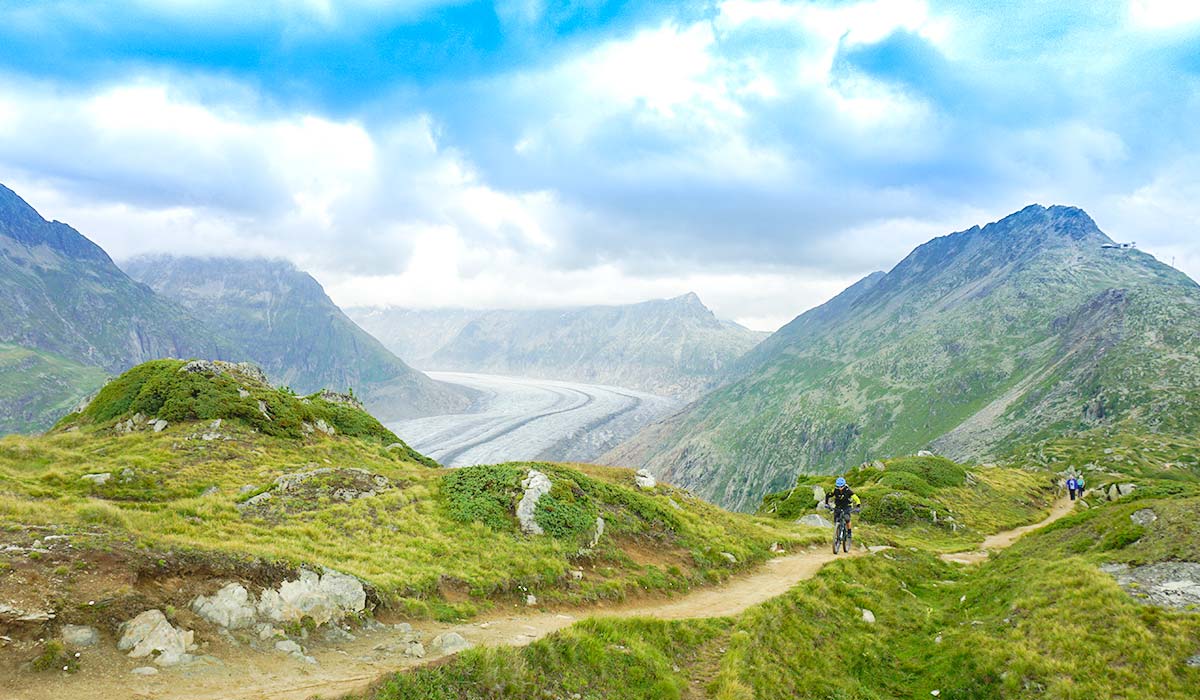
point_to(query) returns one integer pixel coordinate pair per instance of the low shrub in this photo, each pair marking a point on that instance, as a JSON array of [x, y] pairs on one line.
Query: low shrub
[[486, 494]]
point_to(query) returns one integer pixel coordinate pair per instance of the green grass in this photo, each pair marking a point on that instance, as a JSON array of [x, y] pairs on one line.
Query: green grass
[[37, 387], [174, 491]]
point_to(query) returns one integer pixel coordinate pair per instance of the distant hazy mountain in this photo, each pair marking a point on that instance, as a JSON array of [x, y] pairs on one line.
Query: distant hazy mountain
[[1026, 328], [65, 308], [280, 318], [675, 347]]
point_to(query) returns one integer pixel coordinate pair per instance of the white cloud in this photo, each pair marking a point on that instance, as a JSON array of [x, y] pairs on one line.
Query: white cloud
[[1163, 14]]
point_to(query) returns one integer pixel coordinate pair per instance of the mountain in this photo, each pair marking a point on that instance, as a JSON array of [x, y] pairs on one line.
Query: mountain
[[675, 347], [69, 316], [281, 319], [61, 293], [1024, 329]]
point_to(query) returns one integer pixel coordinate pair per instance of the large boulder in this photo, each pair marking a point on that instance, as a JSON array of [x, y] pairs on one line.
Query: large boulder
[[815, 520], [232, 607], [536, 485], [644, 479], [151, 633], [1145, 516], [323, 597], [818, 494]]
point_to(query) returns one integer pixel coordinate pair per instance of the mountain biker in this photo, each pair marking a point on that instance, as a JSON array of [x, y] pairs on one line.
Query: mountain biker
[[843, 500]]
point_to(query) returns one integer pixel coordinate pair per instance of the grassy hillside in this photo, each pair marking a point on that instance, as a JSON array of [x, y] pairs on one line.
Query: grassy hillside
[[206, 490], [976, 342], [1040, 620], [37, 388]]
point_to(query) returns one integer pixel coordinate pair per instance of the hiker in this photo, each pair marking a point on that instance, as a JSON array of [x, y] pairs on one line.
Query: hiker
[[1079, 485], [1072, 484], [843, 500]]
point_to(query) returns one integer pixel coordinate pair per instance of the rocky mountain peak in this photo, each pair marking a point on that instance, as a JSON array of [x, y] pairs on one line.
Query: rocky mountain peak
[[22, 223]]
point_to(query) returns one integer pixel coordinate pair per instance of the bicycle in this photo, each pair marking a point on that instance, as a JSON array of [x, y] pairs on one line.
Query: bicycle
[[842, 535]]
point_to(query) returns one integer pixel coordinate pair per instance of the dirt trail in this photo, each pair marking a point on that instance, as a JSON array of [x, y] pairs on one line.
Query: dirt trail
[[1001, 540], [352, 666]]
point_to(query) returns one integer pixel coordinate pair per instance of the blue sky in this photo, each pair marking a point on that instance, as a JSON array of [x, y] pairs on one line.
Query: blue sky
[[762, 153]]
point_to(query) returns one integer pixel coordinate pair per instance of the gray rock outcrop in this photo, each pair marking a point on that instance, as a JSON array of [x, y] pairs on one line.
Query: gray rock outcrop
[[536, 485], [151, 633], [644, 479], [448, 643], [1145, 516], [1173, 585], [322, 597], [232, 607], [80, 636]]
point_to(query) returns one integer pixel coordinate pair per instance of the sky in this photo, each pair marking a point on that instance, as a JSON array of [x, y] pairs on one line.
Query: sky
[[445, 153]]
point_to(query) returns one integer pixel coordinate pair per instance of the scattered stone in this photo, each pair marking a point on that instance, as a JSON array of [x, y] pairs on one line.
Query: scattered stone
[[160, 425], [868, 616], [925, 453], [414, 650], [326, 428], [818, 494], [211, 491], [879, 465], [1193, 661], [729, 557], [1145, 516], [262, 408], [815, 520], [530, 599], [536, 485], [255, 500], [242, 393], [232, 607], [644, 479], [80, 636], [99, 479], [287, 646], [10, 614], [151, 633], [145, 671], [403, 628], [337, 635], [577, 574], [674, 505], [449, 643], [597, 533], [776, 548]]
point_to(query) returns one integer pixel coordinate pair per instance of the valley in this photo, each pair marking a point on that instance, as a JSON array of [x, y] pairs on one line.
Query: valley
[[517, 418]]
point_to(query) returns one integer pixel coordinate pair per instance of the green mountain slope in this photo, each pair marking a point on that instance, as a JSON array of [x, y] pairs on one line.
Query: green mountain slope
[[37, 388], [674, 347], [62, 293], [281, 319], [1026, 328]]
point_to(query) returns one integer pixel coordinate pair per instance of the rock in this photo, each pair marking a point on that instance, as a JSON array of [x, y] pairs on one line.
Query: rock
[[729, 557], [326, 428], [530, 599], [414, 650], [11, 614], [644, 479], [577, 574], [536, 485], [449, 643], [818, 494], [868, 616], [597, 533], [1126, 489], [815, 520], [255, 499], [287, 646], [339, 398], [201, 367], [262, 408], [145, 671], [879, 465], [151, 633], [1145, 516], [1193, 661], [776, 548], [265, 631], [99, 479], [80, 636], [323, 598], [1173, 585], [232, 607], [925, 453], [674, 505], [160, 425], [211, 491], [242, 393]]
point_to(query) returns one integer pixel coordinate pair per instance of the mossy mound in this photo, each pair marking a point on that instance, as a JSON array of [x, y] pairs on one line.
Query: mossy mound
[[179, 391]]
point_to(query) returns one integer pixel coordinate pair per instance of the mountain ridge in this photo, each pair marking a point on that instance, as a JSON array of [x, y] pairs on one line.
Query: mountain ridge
[[898, 362]]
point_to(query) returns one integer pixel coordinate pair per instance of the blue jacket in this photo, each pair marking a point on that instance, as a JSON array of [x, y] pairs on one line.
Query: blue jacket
[[1072, 484]]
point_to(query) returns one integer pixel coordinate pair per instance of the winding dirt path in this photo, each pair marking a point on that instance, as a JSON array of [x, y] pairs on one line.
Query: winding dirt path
[[1062, 507], [352, 666]]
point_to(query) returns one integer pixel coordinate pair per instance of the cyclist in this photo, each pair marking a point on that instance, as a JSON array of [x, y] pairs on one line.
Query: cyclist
[[843, 500]]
